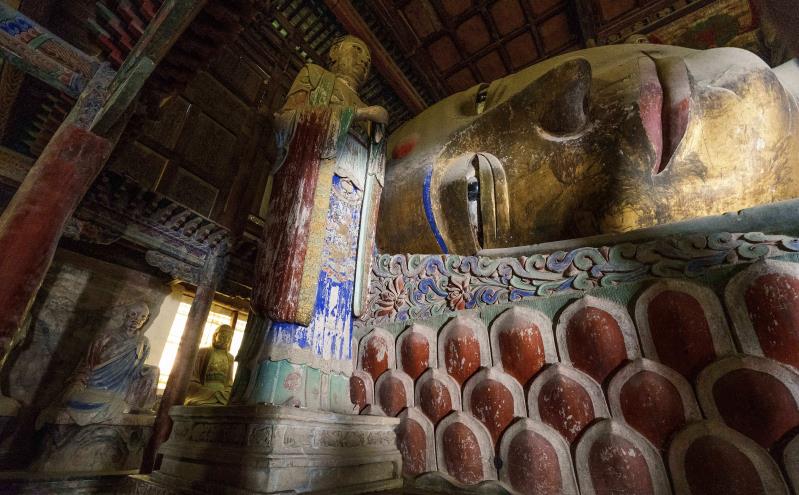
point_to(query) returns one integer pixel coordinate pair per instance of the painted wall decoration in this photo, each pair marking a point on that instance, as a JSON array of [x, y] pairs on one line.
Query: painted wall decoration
[[612, 458], [653, 399], [672, 313], [703, 457], [756, 396], [596, 336], [764, 307], [566, 399], [659, 381], [415, 287], [538, 460]]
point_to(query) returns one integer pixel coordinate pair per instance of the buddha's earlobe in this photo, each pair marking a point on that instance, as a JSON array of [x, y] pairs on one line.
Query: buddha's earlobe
[[565, 112]]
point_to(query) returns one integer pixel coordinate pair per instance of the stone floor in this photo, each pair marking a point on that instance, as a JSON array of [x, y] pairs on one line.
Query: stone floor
[[28, 483]]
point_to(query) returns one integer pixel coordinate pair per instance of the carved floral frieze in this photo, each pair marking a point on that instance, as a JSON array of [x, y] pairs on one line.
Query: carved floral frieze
[[409, 287], [176, 239]]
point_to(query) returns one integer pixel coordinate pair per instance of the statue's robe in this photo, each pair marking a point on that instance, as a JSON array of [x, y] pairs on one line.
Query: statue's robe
[[211, 378], [306, 270], [102, 380]]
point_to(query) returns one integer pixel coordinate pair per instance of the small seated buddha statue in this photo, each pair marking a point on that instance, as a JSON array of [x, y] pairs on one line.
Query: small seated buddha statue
[[212, 377]]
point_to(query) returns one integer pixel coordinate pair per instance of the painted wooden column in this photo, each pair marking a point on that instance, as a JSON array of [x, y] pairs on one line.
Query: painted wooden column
[[178, 382], [34, 220]]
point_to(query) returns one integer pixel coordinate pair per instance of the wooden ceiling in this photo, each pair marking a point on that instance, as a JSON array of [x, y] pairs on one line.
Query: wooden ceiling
[[425, 50], [450, 45], [461, 43], [422, 50]]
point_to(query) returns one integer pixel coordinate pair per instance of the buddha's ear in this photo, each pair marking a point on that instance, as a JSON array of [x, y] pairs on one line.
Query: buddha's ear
[[332, 55], [564, 91]]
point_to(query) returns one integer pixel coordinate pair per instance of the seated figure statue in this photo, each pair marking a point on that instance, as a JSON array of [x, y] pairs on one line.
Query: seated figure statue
[[596, 141], [212, 376], [112, 378]]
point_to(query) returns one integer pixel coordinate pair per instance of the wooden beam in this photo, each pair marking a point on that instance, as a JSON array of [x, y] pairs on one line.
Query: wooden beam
[[37, 51], [40, 66], [172, 19], [586, 22], [11, 78], [353, 23], [401, 33], [25, 31], [34, 220]]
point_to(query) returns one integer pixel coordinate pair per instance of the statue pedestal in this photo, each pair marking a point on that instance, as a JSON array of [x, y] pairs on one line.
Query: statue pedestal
[[274, 449], [106, 447]]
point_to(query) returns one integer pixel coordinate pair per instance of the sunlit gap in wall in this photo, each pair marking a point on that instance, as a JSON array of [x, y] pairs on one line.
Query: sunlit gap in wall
[[219, 316]]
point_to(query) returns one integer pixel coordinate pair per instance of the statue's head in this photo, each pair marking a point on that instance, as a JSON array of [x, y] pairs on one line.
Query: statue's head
[[136, 315], [223, 336], [350, 58], [595, 141]]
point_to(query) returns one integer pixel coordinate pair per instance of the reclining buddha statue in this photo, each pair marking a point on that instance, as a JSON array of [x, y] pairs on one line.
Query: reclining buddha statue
[[596, 141]]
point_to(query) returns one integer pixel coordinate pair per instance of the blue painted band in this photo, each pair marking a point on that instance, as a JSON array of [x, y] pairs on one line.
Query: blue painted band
[[428, 211]]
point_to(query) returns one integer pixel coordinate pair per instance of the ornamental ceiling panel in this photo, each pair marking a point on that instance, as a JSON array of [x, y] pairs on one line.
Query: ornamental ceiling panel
[[454, 44]]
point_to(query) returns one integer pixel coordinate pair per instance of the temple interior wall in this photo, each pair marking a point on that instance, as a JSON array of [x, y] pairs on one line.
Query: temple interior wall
[[162, 324], [80, 297]]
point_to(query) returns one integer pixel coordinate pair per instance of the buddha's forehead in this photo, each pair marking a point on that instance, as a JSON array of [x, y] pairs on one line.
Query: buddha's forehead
[[352, 41]]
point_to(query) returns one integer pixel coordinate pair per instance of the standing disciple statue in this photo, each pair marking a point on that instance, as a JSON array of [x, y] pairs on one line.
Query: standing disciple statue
[[318, 239], [213, 371], [112, 378]]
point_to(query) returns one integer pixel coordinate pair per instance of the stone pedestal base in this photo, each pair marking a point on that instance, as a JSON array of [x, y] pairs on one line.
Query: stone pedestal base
[[274, 449], [97, 448]]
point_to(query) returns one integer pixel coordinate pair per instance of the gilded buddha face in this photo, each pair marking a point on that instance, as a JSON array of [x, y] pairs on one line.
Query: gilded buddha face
[[350, 59], [223, 337], [596, 141]]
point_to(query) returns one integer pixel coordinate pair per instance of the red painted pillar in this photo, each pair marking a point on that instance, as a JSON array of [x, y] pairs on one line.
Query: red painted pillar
[[34, 220], [178, 382]]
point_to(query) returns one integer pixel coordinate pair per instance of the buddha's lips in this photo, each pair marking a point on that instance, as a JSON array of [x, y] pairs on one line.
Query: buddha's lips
[[664, 104]]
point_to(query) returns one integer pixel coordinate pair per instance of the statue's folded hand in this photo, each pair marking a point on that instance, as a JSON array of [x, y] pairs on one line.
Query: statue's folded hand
[[374, 113]]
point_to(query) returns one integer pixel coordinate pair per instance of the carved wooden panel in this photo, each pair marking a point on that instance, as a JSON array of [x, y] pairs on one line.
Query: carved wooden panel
[[190, 190], [242, 76], [168, 127], [206, 145], [141, 163], [218, 102]]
